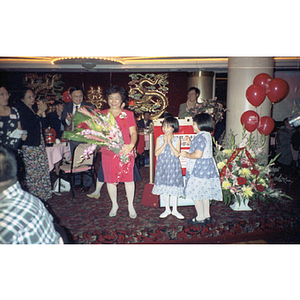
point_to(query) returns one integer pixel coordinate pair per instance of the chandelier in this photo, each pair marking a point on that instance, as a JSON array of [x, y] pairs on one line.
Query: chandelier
[[87, 62]]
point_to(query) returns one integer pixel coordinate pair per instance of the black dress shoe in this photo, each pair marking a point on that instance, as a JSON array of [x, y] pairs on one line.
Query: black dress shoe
[[194, 221], [208, 220]]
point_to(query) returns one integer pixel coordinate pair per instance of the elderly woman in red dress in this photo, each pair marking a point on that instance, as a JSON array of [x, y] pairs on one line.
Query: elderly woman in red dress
[[116, 96]]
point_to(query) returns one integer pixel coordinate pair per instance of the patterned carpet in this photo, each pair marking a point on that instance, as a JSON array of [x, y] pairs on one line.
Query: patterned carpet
[[88, 222]]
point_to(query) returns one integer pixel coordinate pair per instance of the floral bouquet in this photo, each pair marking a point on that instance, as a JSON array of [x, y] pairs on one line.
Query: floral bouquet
[[210, 106], [99, 130], [244, 171]]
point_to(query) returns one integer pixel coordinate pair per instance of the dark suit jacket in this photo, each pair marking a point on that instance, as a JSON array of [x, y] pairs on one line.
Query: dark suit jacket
[[55, 123], [32, 123], [141, 123], [68, 108]]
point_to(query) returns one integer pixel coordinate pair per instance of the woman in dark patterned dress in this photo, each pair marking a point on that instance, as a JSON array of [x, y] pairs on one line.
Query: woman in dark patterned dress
[[33, 120]]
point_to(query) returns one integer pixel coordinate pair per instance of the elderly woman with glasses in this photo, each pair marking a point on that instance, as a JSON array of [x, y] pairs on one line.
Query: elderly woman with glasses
[[34, 120]]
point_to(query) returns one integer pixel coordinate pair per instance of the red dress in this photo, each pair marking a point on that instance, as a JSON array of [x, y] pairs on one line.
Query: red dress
[[110, 162]]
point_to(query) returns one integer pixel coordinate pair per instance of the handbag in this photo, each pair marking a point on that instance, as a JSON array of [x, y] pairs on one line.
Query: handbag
[[64, 186]]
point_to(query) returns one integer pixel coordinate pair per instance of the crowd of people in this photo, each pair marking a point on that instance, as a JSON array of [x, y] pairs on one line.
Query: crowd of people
[[22, 139]]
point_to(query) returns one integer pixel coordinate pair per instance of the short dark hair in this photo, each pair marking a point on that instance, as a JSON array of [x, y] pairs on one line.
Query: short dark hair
[[171, 121], [75, 88], [24, 91], [195, 89], [115, 89], [204, 122], [8, 165]]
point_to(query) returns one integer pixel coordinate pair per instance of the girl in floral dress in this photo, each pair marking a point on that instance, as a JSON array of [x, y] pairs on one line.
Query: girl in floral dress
[[168, 175], [202, 177]]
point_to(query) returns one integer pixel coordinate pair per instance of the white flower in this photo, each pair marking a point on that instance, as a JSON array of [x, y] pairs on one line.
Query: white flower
[[123, 115]]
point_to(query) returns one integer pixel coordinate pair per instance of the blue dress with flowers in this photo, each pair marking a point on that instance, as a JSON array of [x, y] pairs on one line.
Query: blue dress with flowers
[[168, 173], [202, 176]]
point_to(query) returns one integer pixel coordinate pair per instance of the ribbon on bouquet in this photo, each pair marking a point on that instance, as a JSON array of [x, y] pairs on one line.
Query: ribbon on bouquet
[[232, 158], [125, 163]]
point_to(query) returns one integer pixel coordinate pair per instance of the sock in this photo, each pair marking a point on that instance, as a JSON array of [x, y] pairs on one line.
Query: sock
[[129, 187], [206, 207], [167, 211], [112, 191], [200, 210]]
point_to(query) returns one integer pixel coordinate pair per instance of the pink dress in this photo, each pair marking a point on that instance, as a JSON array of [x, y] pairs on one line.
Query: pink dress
[[110, 162]]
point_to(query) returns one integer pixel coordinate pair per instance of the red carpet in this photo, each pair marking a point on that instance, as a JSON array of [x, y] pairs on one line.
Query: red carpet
[[88, 222]]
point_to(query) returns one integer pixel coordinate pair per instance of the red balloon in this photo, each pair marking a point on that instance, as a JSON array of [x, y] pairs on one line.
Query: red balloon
[[277, 90], [266, 125], [251, 119], [262, 79], [66, 97], [256, 95]]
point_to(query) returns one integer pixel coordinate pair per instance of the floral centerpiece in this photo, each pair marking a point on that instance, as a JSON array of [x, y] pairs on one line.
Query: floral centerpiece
[[244, 172], [90, 126]]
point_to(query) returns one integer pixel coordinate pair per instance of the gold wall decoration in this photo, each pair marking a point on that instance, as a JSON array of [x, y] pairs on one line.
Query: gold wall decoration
[[45, 86], [148, 93], [95, 97]]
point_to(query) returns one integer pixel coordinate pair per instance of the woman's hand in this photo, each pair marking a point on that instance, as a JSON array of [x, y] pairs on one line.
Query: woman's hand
[[24, 137], [127, 149], [42, 107]]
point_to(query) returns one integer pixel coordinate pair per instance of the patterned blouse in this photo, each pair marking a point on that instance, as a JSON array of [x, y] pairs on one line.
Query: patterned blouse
[[7, 125]]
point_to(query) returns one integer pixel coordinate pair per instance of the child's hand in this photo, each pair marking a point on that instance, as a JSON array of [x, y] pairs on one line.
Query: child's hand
[[183, 154]]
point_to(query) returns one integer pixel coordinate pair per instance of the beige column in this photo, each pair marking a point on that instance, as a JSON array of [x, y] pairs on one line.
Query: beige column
[[241, 72], [204, 81]]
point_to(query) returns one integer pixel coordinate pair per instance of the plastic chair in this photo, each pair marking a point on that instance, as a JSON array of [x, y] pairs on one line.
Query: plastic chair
[[84, 167]]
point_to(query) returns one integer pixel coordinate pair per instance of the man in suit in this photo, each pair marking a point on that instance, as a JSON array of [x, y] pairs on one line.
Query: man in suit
[[144, 123], [76, 94]]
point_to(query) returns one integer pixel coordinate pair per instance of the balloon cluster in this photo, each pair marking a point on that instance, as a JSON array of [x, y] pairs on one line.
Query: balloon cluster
[[263, 85]]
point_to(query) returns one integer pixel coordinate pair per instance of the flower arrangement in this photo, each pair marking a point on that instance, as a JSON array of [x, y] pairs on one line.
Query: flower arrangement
[[210, 106], [99, 130], [244, 171]]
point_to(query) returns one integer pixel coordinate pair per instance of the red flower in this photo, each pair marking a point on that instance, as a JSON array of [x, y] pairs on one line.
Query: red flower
[[254, 172], [230, 166], [271, 184], [83, 125], [245, 166], [260, 188], [241, 180]]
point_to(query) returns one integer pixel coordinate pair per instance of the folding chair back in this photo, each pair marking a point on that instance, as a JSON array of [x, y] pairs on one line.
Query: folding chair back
[[78, 165]]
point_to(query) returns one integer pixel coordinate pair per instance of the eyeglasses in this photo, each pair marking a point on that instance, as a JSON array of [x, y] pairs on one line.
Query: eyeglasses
[[4, 94]]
